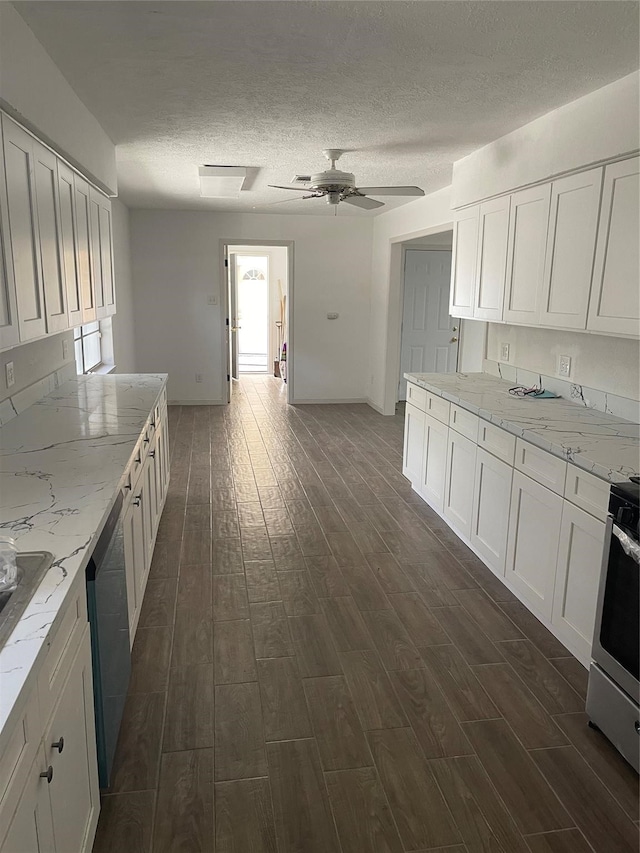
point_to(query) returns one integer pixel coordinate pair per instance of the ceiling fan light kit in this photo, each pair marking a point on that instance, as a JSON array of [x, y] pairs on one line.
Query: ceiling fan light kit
[[337, 186]]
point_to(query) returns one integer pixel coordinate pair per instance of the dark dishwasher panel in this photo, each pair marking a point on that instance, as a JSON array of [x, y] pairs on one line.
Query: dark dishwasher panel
[[110, 652]]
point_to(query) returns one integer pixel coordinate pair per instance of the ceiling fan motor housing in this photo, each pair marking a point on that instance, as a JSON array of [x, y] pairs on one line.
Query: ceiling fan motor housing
[[333, 179]]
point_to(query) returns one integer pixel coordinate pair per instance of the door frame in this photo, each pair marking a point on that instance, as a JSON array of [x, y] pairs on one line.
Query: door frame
[[408, 248], [225, 244]]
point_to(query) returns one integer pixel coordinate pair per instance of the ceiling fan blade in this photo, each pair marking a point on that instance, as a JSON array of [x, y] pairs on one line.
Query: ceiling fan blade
[[285, 200], [295, 189], [391, 190], [363, 202]]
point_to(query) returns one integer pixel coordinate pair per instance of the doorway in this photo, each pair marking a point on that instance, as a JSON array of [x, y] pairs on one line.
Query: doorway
[[258, 333], [429, 336]]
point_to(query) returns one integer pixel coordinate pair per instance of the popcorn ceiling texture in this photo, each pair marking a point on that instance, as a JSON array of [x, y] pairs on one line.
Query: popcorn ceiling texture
[[410, 86]]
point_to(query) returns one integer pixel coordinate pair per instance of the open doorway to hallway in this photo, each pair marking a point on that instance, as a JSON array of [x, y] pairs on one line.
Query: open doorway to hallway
[[258, 331], [429, 336]]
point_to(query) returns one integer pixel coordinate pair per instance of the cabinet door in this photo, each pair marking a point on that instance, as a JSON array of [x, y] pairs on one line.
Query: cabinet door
[[532, 543], [463, 267], [571, 244], [9, 329], [74, 791], [160, 476], [434, 462], [96, 253], [31, 828], [492, 259], [490, 519], [413, 444], [23, 230], [459, 480], [69, 245], [50, 238], [525, 254], [615, 295], [577, 579], [133, 555], [83, 248], [106, 249]]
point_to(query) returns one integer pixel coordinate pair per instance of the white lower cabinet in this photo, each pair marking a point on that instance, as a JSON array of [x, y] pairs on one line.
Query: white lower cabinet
[[532, 546], [491, 500], [577, 579], [434, 462], [459, 481], [413, 443], [31, 828]]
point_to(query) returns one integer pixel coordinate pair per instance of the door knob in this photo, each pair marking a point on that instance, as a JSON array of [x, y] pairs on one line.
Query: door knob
[[454, 329], [453, 340]]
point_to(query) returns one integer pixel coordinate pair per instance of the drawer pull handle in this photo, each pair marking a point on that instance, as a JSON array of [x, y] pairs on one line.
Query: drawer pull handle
[[47, 774], [137, 500], [637, 726], [147, 440], [58, 744], [128, 486], [138, 459], [152, 454]]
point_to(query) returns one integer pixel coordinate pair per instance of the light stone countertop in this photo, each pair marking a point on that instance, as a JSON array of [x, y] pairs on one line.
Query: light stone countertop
[[61, 464], [602, 444]]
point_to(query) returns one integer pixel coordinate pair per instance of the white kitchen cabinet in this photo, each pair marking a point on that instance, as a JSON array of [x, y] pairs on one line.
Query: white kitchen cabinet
[[577, 579], [525, 254], [463, 261], [490, 518], [532, 543], [136, 546], [74, 790], [434, 462], [106, 248], [83, 248], [493, 234], [31, 827], [69, 245], [459, 481], [101, 253], [615, 295], [9, 329], [413, 444], [571, 243], [23, 230]]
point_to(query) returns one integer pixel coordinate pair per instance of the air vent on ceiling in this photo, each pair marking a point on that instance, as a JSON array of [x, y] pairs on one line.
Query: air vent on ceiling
[[301, 179], [221, 181]]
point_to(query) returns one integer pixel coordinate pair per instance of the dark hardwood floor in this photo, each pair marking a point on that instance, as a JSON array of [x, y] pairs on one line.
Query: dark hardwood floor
[[322, 666]]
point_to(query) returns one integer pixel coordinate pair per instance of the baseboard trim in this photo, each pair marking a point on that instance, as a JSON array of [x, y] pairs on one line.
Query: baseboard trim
[[329, 402], [375, 406], [197, 403]]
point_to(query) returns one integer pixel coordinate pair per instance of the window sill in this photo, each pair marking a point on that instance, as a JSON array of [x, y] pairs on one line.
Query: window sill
[[102, 370]]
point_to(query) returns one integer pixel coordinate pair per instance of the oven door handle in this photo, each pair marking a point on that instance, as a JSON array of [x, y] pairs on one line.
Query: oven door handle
[[630, 546]]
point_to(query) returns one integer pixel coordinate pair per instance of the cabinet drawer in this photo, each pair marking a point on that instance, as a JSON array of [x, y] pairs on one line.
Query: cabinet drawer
[[62, 648], [587, 491], [464, 422], [416, 396], [15, 761], [437, 408], [497, 441], [541, 466]]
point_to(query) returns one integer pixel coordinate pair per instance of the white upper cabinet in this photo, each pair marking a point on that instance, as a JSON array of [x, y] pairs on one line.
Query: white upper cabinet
[[526, 253], [463, 259], [615, 292], [51, 261], [9, 331], [23, 230], [492, 259], [571, 242], [83, 238], [69, 244]]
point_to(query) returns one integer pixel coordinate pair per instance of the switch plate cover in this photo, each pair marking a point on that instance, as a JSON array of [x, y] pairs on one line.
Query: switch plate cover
[[564, 366], [10, 375]]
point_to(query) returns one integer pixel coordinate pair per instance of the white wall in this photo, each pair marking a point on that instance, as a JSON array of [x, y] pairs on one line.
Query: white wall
[[123, 324], [603, 362], [176, 265], [598, 126], [36, 93]]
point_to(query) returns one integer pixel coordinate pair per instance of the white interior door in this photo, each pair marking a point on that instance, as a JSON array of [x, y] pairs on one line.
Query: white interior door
[[232, 322], [429, 334]]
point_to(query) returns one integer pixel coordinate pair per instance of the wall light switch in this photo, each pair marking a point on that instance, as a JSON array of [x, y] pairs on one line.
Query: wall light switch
[[65, 349], [11, 378], [198, 377], [332, 315], [564, 365], [504, 352], [212, 299]]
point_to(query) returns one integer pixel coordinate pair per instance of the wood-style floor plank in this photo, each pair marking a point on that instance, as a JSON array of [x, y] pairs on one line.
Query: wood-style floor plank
[[488, 615], [303, 819], [346, 625], [229, 598], [158, 603], [135, 766], [262, 581], [419, 622], [239, 733], [271, 635], [189, 717], [392, 641], [467, 635], [184, 811], [233, 654], [284, 707], [150, 659], [561, 841], [338, 732], [459, 684], [298, 594], [375, 700], [125, 823], [314, 646], [244, 817], [544, 681]]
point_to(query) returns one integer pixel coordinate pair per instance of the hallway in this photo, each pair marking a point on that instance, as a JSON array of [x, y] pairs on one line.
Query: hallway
[[323, 667]]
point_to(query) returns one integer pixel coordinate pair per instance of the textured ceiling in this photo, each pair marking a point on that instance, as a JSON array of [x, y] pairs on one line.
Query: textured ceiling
[[408, 87]]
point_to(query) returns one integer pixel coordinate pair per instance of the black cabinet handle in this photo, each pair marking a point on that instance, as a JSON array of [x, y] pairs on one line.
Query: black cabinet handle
[[47, 774], [147, 440], [58, 744], [128, 486], [637, 726], [138, 458], [137, 500], [152, 454]]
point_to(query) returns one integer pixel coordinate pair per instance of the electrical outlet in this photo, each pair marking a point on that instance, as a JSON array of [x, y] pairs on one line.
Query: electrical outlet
[[564, 366], [212, 299], [504, 352], [10, 375], [198, 377], [65, 349]]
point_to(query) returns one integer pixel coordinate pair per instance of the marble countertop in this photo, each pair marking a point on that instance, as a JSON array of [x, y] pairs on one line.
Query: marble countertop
[[61, 463], [603, 444]]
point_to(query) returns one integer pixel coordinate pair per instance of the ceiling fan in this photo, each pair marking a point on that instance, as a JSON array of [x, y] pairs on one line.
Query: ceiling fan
[[337, 186]]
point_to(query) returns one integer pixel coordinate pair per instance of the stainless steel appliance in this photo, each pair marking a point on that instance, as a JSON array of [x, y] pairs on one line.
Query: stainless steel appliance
[[110, 650], [613, 696]]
